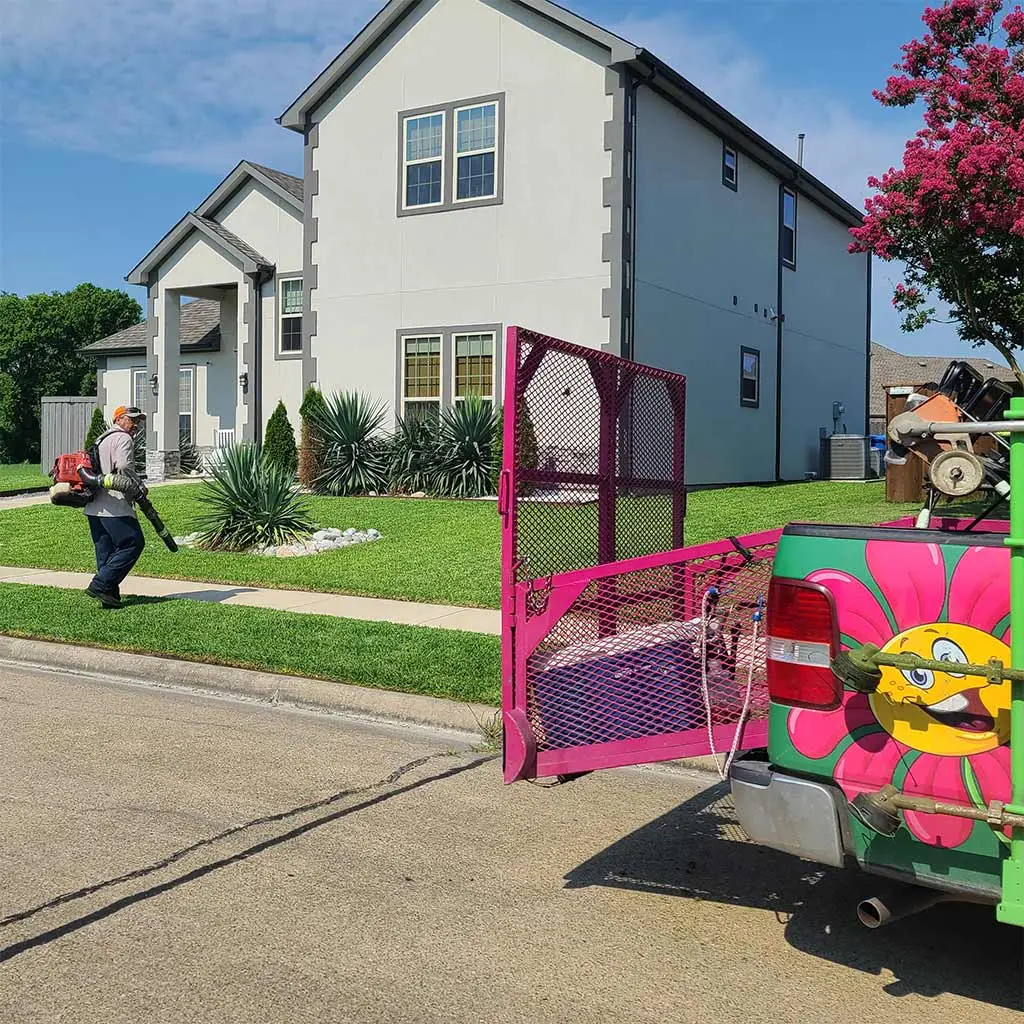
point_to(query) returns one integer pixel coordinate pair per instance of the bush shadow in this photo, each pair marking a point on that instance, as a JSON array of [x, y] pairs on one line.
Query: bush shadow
[[698, 851]]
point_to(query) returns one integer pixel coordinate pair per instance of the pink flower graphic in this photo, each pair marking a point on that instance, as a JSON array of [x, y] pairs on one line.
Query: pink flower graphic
[[912, 581]]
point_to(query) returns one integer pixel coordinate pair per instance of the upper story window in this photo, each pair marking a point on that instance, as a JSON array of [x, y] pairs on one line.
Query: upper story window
[[730, 167], [787, 230], [476, 139], [451, 156], [424, 160], [290, 329]]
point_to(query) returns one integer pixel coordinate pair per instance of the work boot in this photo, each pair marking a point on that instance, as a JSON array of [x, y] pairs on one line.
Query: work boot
[[105, 597]]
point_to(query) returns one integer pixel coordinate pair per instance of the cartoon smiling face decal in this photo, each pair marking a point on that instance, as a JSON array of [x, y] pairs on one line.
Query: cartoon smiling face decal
[[944, 713]]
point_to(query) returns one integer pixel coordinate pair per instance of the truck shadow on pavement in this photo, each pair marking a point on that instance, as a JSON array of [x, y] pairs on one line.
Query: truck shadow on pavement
[[699, 852]]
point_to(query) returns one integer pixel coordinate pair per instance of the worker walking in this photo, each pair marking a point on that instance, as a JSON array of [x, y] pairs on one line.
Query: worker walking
[[116, 533]]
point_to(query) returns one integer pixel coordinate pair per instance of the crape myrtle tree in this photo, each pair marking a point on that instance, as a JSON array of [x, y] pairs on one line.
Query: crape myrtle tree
[[953, 214]]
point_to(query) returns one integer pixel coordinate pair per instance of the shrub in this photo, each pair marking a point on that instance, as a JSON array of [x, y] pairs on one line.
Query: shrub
[[189, 459], [309, 440], [140, 451], [413, 454], [279, 442], [497, 449], [464, 466], [250, 503], [353, 453], [97, 426], [527, 451]]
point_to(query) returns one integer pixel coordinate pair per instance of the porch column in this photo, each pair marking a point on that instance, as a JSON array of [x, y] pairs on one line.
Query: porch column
[[162, 456]]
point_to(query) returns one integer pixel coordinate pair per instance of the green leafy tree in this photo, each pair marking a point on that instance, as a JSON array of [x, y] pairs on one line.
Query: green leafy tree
[[310, 446], [279, 442], [41, 337], [97, 426]]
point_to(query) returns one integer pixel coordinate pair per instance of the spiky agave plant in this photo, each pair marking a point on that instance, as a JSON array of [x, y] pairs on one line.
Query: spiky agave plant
[[250, 503], [464, 467], [413, 455], [353, 452]]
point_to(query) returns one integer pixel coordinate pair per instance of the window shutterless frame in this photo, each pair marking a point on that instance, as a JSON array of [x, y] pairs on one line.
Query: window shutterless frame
[[450, 157], [289, 321], [140, 382], [187, 401], [417, 353], [750, 377], [787, 227], [467, 336], [478, 147], [730, 167], [423, 164]]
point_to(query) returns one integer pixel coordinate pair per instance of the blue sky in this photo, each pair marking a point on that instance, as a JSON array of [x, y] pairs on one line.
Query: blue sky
[[120, 115]]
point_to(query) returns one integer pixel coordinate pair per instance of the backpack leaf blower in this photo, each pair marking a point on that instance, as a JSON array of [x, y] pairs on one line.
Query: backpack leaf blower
[[134, 490], [76, 480]]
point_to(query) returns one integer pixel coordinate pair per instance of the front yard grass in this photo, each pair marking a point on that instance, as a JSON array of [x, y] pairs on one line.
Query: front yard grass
[[22, 476], [444, 552], [438, 663]]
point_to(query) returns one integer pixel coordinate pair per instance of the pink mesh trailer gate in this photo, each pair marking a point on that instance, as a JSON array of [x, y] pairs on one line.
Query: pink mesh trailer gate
[[619, 645]]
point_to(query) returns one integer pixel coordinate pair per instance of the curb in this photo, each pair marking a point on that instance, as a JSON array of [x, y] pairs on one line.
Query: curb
[[24, 491], [267, 687], [389, 706]]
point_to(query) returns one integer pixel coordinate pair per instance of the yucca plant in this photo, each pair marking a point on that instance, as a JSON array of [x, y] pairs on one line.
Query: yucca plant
[[353, 452], [250, 503], [413, 455], [464, 467], [189, 458]]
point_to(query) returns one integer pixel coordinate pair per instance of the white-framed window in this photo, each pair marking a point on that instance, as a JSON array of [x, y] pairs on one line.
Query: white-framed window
[[730, 167], [290, 316], [787, 229], [473, 366], [187, 402], [476, 152], [423, 160], [750, 377], [140, 381], [421, 377]]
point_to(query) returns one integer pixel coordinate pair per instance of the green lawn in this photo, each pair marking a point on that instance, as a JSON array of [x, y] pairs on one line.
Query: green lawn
[[439, 663], [436, 551], [23, 476]]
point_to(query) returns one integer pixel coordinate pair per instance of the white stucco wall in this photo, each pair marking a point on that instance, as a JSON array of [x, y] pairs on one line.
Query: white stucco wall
[[699, 245], [116, 379], [282, 377], [825, 339], [534, 260], [196, 264], [269, 224]]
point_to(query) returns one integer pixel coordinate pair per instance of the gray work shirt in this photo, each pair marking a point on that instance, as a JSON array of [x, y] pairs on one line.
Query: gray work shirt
[[117, 452]]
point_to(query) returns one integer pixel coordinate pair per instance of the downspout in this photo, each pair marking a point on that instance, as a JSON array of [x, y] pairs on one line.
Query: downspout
[[259, 278]]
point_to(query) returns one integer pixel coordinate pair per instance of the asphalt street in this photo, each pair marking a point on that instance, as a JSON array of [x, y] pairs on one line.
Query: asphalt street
[[174, 857]]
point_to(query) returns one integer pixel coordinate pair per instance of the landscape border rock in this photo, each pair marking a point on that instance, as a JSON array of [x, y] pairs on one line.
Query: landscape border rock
[[331, 539]]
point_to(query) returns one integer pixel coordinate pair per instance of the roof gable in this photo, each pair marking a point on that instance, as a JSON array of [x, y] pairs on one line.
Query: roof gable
[[393, 14], [286, 187], [226, 241]]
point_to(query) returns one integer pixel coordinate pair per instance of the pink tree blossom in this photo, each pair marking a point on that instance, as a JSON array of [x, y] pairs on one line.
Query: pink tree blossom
[[954, 212]]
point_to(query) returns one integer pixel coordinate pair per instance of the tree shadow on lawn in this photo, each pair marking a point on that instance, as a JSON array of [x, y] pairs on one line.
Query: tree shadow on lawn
[[698, 851]]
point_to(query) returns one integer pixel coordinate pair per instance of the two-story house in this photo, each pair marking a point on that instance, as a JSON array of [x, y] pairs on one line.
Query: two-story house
[[471, 164]]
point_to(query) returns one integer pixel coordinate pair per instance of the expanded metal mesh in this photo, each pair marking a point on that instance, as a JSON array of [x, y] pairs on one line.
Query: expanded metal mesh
[[635, 653], [597, 470]]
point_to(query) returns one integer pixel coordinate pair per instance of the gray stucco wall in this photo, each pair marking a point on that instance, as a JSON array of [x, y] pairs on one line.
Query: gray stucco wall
[[707, 285], [699, 246]]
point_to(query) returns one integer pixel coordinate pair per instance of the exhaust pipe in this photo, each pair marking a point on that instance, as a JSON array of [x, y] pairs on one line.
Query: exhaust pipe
[[912, 899]]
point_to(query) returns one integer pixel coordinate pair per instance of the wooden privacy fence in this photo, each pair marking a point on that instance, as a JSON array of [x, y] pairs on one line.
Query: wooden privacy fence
[[64, 422]]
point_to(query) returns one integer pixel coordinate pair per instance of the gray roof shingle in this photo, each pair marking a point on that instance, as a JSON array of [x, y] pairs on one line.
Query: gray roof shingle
[[287, 181], [894, 369], [240, 244], [199, 329]]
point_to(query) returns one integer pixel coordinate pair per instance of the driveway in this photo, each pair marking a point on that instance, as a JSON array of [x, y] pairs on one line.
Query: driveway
[[172, 857]]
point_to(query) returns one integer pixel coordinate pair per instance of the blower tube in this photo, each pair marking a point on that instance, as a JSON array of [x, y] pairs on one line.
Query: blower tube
[[134, 490]]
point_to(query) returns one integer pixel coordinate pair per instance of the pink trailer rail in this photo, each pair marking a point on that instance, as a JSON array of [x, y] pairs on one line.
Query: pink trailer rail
[[620, 645]]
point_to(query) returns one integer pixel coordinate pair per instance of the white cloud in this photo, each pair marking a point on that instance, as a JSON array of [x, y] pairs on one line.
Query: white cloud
[[190, 83]]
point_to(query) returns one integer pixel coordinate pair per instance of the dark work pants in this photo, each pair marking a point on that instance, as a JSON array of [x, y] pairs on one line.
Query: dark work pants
[[119, 542]]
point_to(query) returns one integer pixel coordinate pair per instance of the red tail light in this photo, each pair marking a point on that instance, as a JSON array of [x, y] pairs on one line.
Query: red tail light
[[803, 638]]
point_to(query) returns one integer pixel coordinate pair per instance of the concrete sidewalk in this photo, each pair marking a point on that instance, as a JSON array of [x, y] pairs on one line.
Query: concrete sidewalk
[[370, 609], [27, 498]]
